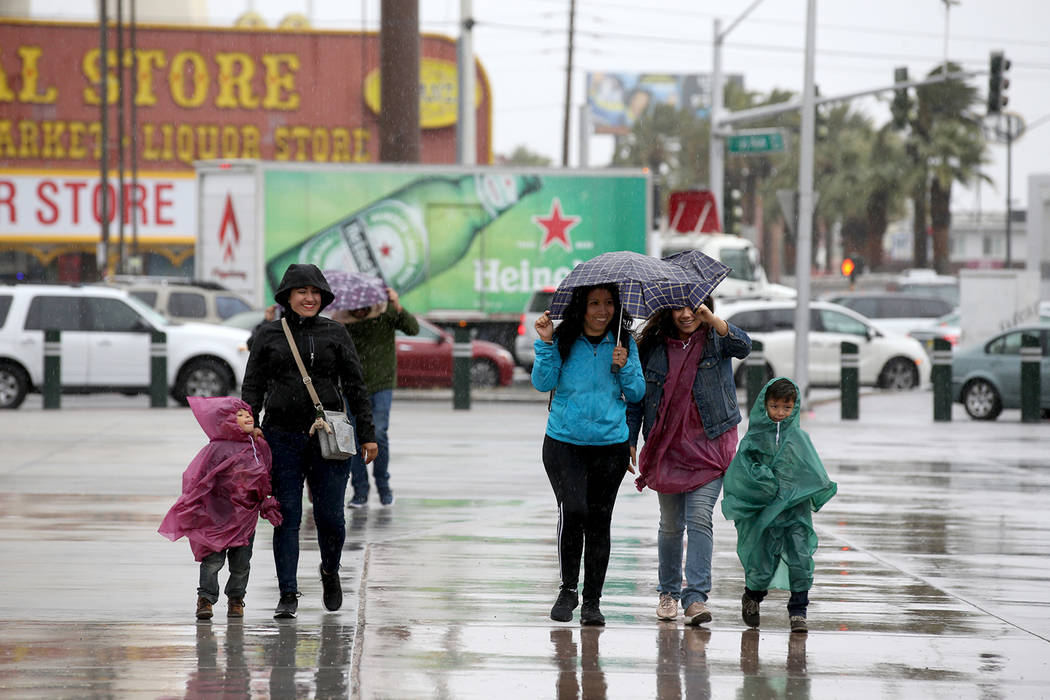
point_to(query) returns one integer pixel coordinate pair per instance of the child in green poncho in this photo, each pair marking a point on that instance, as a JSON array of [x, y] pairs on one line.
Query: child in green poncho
[[771, 489]]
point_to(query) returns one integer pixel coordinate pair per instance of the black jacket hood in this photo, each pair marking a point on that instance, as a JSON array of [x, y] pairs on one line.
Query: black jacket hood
[[302, 275]]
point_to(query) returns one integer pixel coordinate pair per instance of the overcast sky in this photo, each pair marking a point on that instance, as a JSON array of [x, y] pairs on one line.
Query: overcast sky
[[523, 48]]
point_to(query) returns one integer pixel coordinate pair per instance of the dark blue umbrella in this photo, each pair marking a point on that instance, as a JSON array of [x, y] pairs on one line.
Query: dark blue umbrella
[[646, 284], [708, 271]]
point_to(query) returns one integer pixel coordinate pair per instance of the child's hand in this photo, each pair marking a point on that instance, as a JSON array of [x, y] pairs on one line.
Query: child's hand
[[257, 432], [634, 460]]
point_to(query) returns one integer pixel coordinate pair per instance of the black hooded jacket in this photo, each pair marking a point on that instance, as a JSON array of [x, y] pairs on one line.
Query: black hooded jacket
[[272, 379]]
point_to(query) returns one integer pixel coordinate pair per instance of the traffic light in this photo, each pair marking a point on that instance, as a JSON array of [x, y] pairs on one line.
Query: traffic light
[[901, 103], [998, 65], [849, 268], [733, 209]]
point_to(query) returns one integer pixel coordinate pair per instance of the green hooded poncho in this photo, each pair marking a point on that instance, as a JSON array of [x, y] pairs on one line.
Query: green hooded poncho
[[772, 486]]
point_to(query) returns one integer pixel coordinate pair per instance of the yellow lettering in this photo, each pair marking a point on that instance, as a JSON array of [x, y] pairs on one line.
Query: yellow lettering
[[31, 75], [6, 94], [280, 144], [184, 143], [168, 132], [7, 141], [149, 151], [147, 59], [53, 140], [278, 81], [207, 142], [77, 151], [340, 145], [301, 134], [188, 79], [361, 145], [93, 73], [319, 145], [230, 142], [250, 138], [29, 133], [231, 78]]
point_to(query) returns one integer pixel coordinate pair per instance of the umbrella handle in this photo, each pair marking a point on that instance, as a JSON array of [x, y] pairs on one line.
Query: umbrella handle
[[615, 368]]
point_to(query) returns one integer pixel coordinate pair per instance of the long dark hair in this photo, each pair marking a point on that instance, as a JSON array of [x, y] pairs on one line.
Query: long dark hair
[[660, 326], [571, 325]]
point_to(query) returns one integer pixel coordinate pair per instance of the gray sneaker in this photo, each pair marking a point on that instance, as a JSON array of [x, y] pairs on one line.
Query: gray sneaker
[[287, 607], [667, 608]]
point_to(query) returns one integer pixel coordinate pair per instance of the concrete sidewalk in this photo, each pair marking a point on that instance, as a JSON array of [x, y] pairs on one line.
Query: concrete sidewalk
[[931, 575]]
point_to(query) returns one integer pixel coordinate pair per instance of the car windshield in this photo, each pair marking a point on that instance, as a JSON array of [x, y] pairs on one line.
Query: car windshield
[[154, 317], [738, 262], [540, 302]]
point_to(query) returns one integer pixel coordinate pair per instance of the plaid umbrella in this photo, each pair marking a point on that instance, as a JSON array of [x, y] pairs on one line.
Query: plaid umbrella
[[354, 290], [709, 271], [646, 284]]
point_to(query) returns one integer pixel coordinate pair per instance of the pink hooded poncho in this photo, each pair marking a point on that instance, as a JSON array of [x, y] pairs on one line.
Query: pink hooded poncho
[[226, 486]]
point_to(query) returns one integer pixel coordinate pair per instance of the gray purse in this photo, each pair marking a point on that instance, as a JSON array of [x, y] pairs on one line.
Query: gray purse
[[335, 432]]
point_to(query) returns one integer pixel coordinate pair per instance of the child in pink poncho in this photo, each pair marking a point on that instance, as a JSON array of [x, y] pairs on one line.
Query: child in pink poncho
[[225, 488]]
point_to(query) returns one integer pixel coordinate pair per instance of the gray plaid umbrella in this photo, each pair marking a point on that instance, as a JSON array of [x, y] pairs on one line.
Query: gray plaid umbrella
[[708, 271], [354, 290], [646, 284]]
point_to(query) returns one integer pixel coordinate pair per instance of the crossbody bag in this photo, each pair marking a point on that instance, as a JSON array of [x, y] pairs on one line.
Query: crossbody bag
[[334, 430]]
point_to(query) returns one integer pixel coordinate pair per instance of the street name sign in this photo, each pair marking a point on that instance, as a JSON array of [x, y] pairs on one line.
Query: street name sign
[[756, 141]]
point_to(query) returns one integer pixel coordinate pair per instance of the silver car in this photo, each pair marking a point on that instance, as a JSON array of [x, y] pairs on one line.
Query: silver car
[[986, 378], [524, 352]]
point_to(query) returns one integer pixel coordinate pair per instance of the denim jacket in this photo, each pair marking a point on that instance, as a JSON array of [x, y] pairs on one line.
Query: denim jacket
[[714, 390]]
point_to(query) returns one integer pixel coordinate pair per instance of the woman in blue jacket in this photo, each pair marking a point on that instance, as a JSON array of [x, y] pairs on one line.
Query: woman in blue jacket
[[689, 418], [593, 371]]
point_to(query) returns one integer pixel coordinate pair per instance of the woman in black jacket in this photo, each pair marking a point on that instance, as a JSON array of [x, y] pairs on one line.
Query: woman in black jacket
[[272, 382]]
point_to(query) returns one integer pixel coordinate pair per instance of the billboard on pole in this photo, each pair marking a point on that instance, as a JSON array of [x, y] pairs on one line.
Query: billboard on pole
[[617, 100]]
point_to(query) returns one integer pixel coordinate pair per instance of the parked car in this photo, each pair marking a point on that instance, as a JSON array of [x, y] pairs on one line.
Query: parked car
[[894, 311], [986, 377], [524, 351], [888, 360], [182, 299], [425, 360], [105, 344], [927, 283]]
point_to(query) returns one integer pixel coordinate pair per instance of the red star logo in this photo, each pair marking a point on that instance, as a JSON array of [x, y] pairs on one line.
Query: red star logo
[[385, 251], [556, 227]]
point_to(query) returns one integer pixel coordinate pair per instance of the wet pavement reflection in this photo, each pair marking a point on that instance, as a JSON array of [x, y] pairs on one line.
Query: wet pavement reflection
[[931, 575]]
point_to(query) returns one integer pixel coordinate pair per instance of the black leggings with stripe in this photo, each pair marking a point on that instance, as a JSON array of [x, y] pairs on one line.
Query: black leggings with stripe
[[585, 479]]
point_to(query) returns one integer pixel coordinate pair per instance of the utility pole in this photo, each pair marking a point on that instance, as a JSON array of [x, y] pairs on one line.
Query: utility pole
[[804, 236], [716, 162], [103, 163], [399, 81], [466, 132], [568, 87]]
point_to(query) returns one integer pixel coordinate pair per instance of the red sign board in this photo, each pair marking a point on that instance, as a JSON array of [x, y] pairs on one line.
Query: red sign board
[[205, 93], [693, 211]]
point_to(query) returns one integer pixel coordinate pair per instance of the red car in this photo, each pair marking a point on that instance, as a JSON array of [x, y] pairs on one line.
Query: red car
[[425, 360]]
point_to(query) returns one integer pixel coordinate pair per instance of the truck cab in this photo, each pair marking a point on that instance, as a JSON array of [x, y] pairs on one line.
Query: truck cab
[[747, 278]]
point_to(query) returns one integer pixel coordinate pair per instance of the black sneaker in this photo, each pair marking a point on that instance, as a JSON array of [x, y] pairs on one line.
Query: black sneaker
[[749, 611], [287, 607], [563, 607], [358, 501], [333, 590], [386, 498], [591, 614]]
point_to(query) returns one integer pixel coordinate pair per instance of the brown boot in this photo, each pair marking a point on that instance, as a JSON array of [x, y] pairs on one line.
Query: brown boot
[[235, 607], [203, 608]]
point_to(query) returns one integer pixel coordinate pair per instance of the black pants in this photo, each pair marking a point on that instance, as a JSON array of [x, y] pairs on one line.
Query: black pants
[[797, 603], [585, 479]]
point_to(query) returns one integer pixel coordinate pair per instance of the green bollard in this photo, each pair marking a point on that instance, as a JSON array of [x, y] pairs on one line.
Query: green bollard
[[462, 354], [52, 369], [1031, 354], [158, 369], [941, 376], [849, 381], [755, 369]]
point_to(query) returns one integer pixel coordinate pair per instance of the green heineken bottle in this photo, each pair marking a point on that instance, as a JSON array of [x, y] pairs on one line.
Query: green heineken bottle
[[414, 233]]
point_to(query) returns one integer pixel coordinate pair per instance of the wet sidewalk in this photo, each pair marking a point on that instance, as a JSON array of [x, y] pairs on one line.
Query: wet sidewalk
[[931, 580]]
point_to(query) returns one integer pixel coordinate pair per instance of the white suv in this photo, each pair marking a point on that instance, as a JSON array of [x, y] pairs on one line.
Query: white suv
[[105, 344]]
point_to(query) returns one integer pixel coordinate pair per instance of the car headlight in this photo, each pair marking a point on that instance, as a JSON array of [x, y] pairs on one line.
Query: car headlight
[[243, 347]]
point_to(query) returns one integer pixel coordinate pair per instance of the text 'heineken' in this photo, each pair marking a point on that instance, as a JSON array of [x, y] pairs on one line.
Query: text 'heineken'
[[390, 238]]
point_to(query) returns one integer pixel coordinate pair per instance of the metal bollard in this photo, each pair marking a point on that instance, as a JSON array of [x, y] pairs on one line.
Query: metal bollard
[[849, 381], [941, 376], [755, 372], [158, 369], [52, 369], [1031, 354], [462, 354]]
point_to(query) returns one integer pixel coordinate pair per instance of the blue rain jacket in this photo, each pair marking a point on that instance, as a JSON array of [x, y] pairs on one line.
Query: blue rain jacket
[[589, 406]]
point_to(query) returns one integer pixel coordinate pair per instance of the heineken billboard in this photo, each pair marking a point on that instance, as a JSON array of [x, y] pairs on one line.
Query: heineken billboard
[[447, 238]]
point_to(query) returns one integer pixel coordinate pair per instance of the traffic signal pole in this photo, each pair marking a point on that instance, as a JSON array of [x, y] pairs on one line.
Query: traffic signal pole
[[804, 235]]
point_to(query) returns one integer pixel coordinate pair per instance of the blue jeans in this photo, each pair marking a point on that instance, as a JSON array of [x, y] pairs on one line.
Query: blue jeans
[[381, 401], [687, 514], [297, 458], [240, 564]]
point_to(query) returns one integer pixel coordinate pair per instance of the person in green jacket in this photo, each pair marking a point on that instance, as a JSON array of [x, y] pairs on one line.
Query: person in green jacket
[[372, 330], [772, 487]]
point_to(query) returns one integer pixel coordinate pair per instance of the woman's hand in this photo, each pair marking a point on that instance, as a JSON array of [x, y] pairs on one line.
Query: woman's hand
[[545, 327], [370, 450], [708, 317], [619, 357], [634, 460]]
